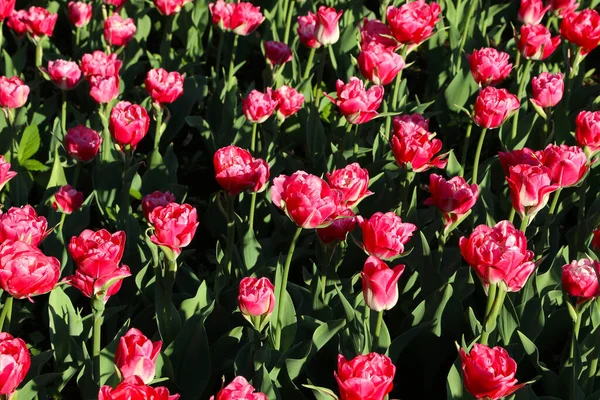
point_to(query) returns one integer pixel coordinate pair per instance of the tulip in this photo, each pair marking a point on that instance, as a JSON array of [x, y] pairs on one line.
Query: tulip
[[344, 222], [129, 123], [587, 130], [163, 86], [7, 7], [289, 101], [136, 356], [15, 362], [170, 7], [489, 66], [582, 29], [174, 226], [115, 3], [13, 92], [221, 14], [5, 173], [80, 13], [256, 300], [567, 164], [379, 64], [523, 156], [369, 376], [414, 146], [134, 388], [563, 7], [306, 199], [239, 389], [499, 255], [237, 171], [97, 254], [384, 235], [327, 28], [454, 198], [532, 12], [40, 22], [357, 104], [547, 89], [105, 286], [23, 224], [536, 43], [380, 284], [258, 107], [67, 199], [375, 31], [353, 183], [580, 279], [82, 143], [530, 187], [25, 271], [104, 89], [156, 199], [16, 22], [245, 18], [596, 239], [489, 373], [277, 53], [101, 64], [306, 30], [64, 74], [413, 22], [493, 107], [118, 31]]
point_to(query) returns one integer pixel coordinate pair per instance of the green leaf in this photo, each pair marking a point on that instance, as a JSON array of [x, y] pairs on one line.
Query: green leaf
[[34, 165], [30, 143], [321, 392]]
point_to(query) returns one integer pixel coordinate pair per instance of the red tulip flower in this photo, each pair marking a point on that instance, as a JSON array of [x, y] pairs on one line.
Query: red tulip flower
[[547, 89], [64, 74], [67, 199], [327, 28], [82, 143], [13, 92], [104, 89], [587, 130], [384, 235], [493, 107], [344, 222], [375, 31], [169, 7], [536, 43], [129, 123], [136, 356], [174, 226], [256, 300], [237, 171], [489, 66], [379, 64], [454, 197], [258, 106], [5, 173], [289, 101], [23, 224], [582, 28], [306, 30], [380, 284], [353, 183], [532, 12], [414, 146], [277, 53], [80, 13], [97, 253], [530, 188], [156, 199], [239, 388], [355, 103], [580, 279], [413, 22], [133, 388], [163, 86], [118, 31], [16, 362], [369, 376], [567, 164], [7, 7], [99, 63]]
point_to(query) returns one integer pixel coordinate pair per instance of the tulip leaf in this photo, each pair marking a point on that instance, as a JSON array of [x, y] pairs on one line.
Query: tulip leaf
[[29, 144]]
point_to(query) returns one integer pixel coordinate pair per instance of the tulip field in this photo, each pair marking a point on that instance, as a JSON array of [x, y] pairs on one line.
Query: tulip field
[[293, 200]]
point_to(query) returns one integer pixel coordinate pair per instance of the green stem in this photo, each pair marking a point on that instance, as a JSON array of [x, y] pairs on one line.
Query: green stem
[[10, 120], [465, 149], [490, 321], [251, 214], [520, 93], [574, 337], [96, 348], [465, 33], [282, 288], [478, 155], [77, 37], [158, 132], [253, 139], [232, 60], [356, 148], [6, 314], [441, 243], [76, 174], [2, 35], [63, 118], [395, 95], [309, 64], [511, 216], [524, 223], [378, 324], [288, 22], [322, 60], [228, 260], [39, 52]]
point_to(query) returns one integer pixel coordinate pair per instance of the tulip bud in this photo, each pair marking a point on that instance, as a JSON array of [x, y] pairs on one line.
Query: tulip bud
[[67, 199], [155, 199], [547, 89], [306, 30], [277, 53], [258, 107], [532, 12], [80, 13], [82, 143], [380, 284], [494, 106], [64, 74], [580, 279], [13, 92], [327, 29], [530, 188], [369, 376], [16, 362], [174, 227], [256, 301], [384, 235], [129, 123], [136, 356], [413, 22], [587, 130], [356, 104]]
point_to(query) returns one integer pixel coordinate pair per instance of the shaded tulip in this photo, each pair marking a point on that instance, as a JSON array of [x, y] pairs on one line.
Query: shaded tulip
[[379, 64], [547, 89], [136, 356], [174, 226], [277, 53], [587, 130], [369, 376], [221, 12], [489, 373], [562, 7], [25, 271], [245, 18], [118, 31], [580, 278], [532, 12], [170, 7], [258, 106], [384, 235], [454, 197], [327, 28], [16, 22], [536, 43], [163, 86], [356, 104], [375, 31], [239, 389], [133, 388], [499, 254], [64, 74], [15, 362], [582, 28], [80, 13], [380, 284], [104, 89], [414, 146], [489, 66], [67, 199], [13, 92], [237, 171], [82, 143], [567, 164], [596, 239], [522, 156], [413, 22], [7, 7], [97, 253], [103, 287], [344, 222], [100, 64], [306, 199], [530, 188], [156, 199], [23, 224], [5, 173], [115, 3], [493, 107], [129, 123], [289, 101], [306, 30], [352, 181]]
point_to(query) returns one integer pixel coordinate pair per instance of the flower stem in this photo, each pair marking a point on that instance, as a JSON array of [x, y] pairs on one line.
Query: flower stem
[[288, 22], [441, 243], [322, 60], [253, 139], [520, 93], [524, 223], [251, 214], [465, 149], [158, 133], [282, 288], [574, 337], [228, 259], [395, 95], [63, 118], [1, 34], [309, 64], [39, 52], [465, 33], [6, 314], [97, 316], [232, 60], [377, 330], [356, 148], [478, 155], [492, 317]]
